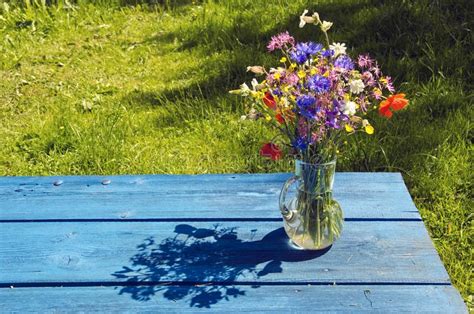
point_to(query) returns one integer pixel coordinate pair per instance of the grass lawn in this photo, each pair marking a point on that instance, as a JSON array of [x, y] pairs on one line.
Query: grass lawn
[[116, 88]]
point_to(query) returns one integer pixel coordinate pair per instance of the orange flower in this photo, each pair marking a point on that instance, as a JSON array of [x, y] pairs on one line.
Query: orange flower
[[394, 102]]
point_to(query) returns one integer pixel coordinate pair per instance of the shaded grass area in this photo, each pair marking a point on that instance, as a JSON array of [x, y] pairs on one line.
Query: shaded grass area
[[132, 87]]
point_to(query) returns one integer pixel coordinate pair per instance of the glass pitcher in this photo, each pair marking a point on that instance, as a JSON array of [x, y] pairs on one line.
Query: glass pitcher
[[312, 218]]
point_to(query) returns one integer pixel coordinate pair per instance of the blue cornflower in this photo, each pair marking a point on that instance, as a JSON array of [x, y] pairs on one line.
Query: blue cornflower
[[300, 143], [306, 105], [319, 84], [305, 101], [344, 62], [277, 92], [298, 56], [327, 53], [309, 48]]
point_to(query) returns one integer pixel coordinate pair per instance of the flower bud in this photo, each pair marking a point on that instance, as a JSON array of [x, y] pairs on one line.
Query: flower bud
[[256, 69]]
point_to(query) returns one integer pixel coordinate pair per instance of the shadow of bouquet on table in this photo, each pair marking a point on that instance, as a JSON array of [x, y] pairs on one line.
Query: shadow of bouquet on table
[[201, 265]]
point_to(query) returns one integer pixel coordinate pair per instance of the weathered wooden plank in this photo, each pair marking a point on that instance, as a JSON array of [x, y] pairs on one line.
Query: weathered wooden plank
[[362, 195], [372, 252], [170, 299]]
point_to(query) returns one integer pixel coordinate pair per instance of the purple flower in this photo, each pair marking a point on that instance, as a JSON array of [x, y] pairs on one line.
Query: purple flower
[[365, 61], [344, 62], [300, 143], [319, 84], [298, 56], [279, 41], [309, 48], [331, 120], [327, 53]]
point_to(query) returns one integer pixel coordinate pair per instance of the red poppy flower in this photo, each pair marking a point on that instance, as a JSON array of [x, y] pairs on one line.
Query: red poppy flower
[[394, 102], [269, 101], [271, 151]]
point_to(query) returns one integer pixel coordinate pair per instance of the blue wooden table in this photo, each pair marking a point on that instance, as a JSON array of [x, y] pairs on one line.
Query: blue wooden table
[[210, 242]]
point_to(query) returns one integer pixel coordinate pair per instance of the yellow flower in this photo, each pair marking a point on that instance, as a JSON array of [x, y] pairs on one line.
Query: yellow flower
[[301, 74], [313, 71], [349, 128], [283, 60], [292, 66], [277, 76], [268, 118], [369, 129]]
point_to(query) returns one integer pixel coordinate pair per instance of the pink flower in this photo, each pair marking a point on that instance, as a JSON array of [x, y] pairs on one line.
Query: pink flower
[[279, 41], [291, 79], [389, 84], [368, 78], [364, 61]]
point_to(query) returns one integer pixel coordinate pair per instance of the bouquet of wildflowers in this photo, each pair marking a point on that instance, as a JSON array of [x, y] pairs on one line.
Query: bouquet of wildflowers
[[317, 95]]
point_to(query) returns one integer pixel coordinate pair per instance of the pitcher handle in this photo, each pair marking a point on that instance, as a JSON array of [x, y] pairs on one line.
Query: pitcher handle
[[285, 212]]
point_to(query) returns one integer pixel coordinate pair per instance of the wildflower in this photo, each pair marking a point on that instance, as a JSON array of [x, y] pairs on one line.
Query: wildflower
[[256, 69], [291, 79], [279, 41], [394, 102], [306, 106], [305, 101], [271, 150], [325, 26], [350, 108], [319, 84], [269, 101], [314, 19], [283, 60], [349, 128], [368, 128], [298, 56], [377, 93], [364, 61], [301, 74], [344, 62], [356, 86], [244, 90], [279, 118], [299, 143], [327, 53], [338, 48], [388, 84], [254, 83], [309, 48]]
